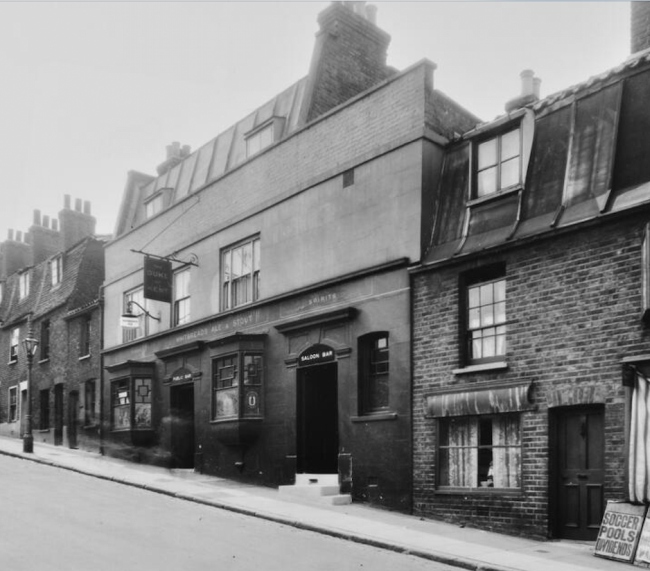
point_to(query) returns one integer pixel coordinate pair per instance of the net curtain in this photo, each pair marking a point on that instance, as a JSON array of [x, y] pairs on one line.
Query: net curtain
[[639, 451]]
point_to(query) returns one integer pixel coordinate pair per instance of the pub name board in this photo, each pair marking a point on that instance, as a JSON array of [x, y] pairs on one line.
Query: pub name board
[[316, 355], [158, 279]]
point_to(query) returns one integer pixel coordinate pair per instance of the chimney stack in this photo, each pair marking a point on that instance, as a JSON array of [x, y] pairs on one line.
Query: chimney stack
[[639, 26], [75, 224], [349, 57], [175, 155], [14, 254], [45, 240], [530, 87]]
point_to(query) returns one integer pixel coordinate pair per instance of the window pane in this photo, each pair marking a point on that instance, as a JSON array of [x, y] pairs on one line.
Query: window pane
[[487, 294], [236, 268], [487, 315], [256, 255], [510, 145], [487, 154], [500, 290], [510, 173], [489, 342], [477, 345], [500, 312], [501, 341], [227, 403], [247, 258], [474, 318], [474, 297], [487, 181]]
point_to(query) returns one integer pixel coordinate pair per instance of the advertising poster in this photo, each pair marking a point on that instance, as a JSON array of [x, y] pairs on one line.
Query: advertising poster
[[620, 531]]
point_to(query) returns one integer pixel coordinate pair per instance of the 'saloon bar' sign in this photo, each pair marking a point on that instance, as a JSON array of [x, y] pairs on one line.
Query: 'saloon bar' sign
[[158, 279]]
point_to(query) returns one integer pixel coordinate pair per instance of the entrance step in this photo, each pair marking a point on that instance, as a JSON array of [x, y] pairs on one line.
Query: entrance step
[[322, 488]]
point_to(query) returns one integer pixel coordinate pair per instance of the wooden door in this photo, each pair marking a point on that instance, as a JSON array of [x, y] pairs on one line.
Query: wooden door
[[182, 417], [73, 414], [579, 472]]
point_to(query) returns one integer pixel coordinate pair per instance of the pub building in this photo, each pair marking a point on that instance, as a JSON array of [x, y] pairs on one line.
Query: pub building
[[257, 297]]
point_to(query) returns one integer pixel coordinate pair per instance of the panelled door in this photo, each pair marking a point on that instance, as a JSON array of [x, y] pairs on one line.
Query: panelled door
[[579, 471]]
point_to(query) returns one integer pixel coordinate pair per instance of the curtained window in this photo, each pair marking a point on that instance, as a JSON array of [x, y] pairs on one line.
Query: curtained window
[[479, 451]]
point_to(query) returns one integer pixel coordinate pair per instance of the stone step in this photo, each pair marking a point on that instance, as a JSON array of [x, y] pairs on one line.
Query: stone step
[[322, 488]]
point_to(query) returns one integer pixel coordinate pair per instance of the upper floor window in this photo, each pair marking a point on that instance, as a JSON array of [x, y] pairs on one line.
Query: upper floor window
[[498, 163], [486, 320], [90, 403], [373, 373], [45, 339], [153, 205], [137, 297], [182, 297], [56, 270], [260, 140], [84, 336], [23, 285], [13, 404], [13, 345], [240, 274], [479, 451]]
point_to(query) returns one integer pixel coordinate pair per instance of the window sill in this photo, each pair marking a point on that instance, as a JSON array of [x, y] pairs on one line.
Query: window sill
[[85, 357], [43, 361], [494, 195], [479, 491], [483, 367], [42, 430], [375, 417], [235, 419], [12, 362]]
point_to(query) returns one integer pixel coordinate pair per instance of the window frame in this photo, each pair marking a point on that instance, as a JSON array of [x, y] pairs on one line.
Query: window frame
[[135, 294], [90, 402], [85, 332], [477, 169], [12, 408], [23, 285], [246, 384], [154, 204], [133, 417], [252, 289], [482, 486], [45, 337], [56, 270], [369, 380], [14, 342], [179, 303], [476, 278]]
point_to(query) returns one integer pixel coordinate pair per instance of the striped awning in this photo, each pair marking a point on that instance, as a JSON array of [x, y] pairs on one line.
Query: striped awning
[[493, 400]]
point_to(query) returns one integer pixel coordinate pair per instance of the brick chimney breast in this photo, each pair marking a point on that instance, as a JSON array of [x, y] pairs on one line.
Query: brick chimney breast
[[14, 254], [75, 224], [45, 241], [640, 26], [349, 57]]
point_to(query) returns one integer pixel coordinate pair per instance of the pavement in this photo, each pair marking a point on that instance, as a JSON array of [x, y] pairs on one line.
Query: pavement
[[462, 547]]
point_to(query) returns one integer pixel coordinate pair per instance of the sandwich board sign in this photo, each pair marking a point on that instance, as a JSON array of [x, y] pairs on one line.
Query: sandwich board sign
[[620, 531]]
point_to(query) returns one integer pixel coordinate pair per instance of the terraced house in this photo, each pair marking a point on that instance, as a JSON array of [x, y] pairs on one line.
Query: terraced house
[[257, 298], [50, 280], [531, 342]]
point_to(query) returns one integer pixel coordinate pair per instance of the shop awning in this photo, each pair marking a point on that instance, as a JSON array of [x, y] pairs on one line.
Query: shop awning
[[487, 400]]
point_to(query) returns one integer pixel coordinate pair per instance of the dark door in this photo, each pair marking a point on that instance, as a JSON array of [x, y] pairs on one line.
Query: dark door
[[58, 414], [579, 471], [182, 425], [73, 410], [317, 417]]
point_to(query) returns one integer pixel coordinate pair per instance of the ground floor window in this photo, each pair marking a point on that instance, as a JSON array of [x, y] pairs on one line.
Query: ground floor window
[[236, 386], [13, 404], [90, 403], [479, 451], [131, 403]]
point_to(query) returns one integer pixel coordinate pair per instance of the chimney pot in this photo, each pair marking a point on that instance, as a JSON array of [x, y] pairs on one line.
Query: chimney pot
[[537, 82], [37, 217], [66, 201], [46, 221], [10, 234], [527, 81], [86, 206], [19, 236], [77, 204]]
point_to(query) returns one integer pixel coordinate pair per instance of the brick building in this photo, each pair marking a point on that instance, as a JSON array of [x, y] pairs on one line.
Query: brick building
[[50, 281], [284, 347], [530, 343]]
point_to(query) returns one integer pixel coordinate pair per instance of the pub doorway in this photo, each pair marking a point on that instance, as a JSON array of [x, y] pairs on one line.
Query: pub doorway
[[317, 419], [577, 471], [181, 399]]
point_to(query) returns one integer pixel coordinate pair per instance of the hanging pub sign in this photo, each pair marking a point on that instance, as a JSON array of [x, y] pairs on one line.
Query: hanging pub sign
[[620, 531], [158, 279], [315, 355]]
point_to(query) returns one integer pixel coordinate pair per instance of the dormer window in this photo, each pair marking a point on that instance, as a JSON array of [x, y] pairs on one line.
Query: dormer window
[[263, 136], [498, 163], [23, 285], [153, 205], [56, 270]]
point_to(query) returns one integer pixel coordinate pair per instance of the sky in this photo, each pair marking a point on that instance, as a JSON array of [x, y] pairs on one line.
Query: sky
[[92, 90]]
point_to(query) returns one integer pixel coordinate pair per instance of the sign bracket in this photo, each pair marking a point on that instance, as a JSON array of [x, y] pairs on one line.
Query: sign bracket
[[193, 261]]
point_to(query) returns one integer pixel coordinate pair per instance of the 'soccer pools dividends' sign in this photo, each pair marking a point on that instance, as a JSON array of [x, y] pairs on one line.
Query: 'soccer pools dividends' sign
[[158, 279], [620, 531]]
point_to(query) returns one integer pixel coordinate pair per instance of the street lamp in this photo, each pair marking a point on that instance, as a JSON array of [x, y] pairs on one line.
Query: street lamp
[[30, 344]]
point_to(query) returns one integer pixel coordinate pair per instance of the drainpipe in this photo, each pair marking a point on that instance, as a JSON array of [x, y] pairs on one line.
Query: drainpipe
[[100, 304]]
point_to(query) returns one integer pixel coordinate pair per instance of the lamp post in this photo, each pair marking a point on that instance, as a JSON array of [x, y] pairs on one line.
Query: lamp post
[[30, 344]]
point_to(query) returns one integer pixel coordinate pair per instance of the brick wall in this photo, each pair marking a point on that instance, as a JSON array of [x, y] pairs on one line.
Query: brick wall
[[573, 309], [640, 26]]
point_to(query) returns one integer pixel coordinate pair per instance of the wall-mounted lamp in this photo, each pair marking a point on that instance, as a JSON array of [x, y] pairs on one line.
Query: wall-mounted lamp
[[129, 311]]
